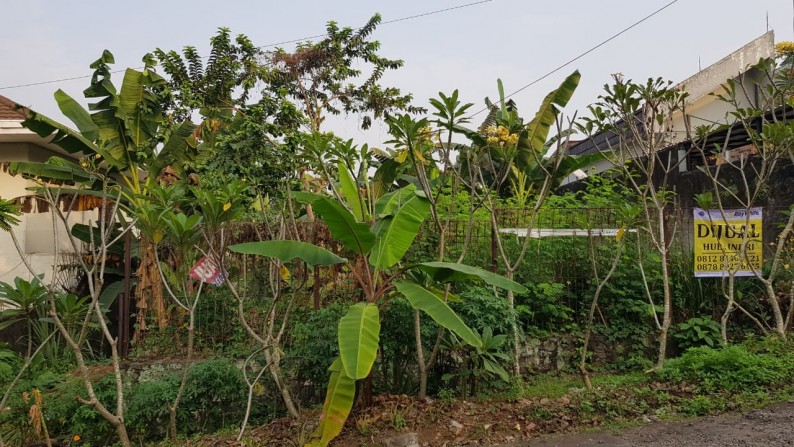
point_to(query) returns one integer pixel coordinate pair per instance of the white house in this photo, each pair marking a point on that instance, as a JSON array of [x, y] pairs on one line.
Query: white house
[[35, 231], [701, 106]]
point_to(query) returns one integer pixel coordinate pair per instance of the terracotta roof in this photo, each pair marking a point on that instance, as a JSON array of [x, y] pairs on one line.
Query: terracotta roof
[[8, 110]]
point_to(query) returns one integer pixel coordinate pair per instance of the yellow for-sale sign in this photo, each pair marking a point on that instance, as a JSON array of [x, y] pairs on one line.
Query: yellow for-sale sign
[[719, 238]]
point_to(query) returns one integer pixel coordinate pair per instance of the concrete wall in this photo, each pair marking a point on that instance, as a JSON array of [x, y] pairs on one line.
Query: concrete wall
[[35, 230]]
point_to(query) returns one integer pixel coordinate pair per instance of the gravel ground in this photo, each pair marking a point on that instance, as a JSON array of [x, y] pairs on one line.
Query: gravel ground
[[772, 426]]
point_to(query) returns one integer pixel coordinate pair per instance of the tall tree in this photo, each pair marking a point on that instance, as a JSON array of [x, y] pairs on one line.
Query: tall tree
[[322, 77]]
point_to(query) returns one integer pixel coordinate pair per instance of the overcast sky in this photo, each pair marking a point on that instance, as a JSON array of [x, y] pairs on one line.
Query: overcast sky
[[466, 48]]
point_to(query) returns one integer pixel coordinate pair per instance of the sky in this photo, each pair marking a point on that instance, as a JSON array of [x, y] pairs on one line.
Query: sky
[[465, 47]]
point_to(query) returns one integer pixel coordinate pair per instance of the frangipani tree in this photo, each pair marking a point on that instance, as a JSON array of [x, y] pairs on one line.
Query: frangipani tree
[[379, 245]]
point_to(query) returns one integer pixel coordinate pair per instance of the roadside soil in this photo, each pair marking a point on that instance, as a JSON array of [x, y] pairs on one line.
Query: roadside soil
[[772, 426], [533, 422]]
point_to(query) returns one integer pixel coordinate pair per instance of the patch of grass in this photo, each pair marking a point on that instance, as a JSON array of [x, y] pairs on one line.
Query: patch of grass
[[619, 380], [550, 386]]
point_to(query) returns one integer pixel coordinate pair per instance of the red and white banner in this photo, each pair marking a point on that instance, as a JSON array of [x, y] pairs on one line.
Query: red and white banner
[[208, 271]]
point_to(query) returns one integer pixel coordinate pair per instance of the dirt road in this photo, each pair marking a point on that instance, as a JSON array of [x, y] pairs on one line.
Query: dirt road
[[772, 426]]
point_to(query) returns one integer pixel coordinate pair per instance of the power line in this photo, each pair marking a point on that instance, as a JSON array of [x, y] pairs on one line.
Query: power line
[[604, 42], [302, 39], [388, 22]]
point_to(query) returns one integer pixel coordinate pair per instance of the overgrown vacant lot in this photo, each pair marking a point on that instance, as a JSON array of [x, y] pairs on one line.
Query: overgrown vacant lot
[[480, 278]]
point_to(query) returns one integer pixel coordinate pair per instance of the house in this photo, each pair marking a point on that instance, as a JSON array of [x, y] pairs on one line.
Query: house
[[35, 231], [701, 107]]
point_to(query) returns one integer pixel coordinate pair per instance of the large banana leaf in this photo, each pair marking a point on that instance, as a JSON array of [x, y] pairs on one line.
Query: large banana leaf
[[452, 272], [355, 236], [431, 304], [109, 295], [337, 406], [396, 232], [531, 148], [139, 108], [79, 116], [384, 177], [359, 336], [350, 192], [64, 172], [63, 137], [389, 203], [289, 250]]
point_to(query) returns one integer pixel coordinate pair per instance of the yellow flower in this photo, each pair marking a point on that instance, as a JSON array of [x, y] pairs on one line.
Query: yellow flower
[[76, 438], [493, 140], [784, 49]]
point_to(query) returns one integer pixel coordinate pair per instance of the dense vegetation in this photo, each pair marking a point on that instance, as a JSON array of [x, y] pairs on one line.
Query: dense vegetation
[[331, 273]]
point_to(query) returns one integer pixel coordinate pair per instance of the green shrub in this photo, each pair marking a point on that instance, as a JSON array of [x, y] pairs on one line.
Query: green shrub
[[214, 397], [734, 368], [147, 411], [697, 331], [311, 346], [480, 308]]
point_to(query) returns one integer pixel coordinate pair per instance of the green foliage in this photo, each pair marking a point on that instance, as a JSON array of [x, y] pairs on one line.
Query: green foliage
[[321, 76], [9, 213], [697, 331], [733, 368], [478, 370], [479, 307], [312, 341], [214, 399], [544, 307], [359, 336], [434, 306], [289, 250]]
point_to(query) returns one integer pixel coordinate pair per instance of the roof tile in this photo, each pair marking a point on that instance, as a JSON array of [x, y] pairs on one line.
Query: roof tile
[[8, 110]]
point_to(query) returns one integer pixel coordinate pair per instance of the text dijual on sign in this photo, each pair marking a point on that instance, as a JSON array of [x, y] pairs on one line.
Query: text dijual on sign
[[719, 238]]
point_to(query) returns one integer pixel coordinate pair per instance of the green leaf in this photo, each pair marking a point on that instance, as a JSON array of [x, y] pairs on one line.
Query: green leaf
[[384, 177], [426, 301], [63, 137], [174, 149], [77, 114], [66, 172], [288, 250], [337, 406], [545, 118], [110, 294], [397, 232], [355, 236], [452, 272], [130, 104], [359, 335], [390, 202], [350, 192]]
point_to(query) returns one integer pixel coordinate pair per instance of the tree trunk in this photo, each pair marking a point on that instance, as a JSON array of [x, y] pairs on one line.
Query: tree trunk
[[273, 359], [668, 299], [420, 355], [514, 328]]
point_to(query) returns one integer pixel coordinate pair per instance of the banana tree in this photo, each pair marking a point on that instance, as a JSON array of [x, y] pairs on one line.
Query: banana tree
[[379, 246], [125, 137]]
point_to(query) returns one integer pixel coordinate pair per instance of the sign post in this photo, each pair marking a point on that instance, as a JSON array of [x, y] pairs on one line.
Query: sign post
[[718, 241]]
